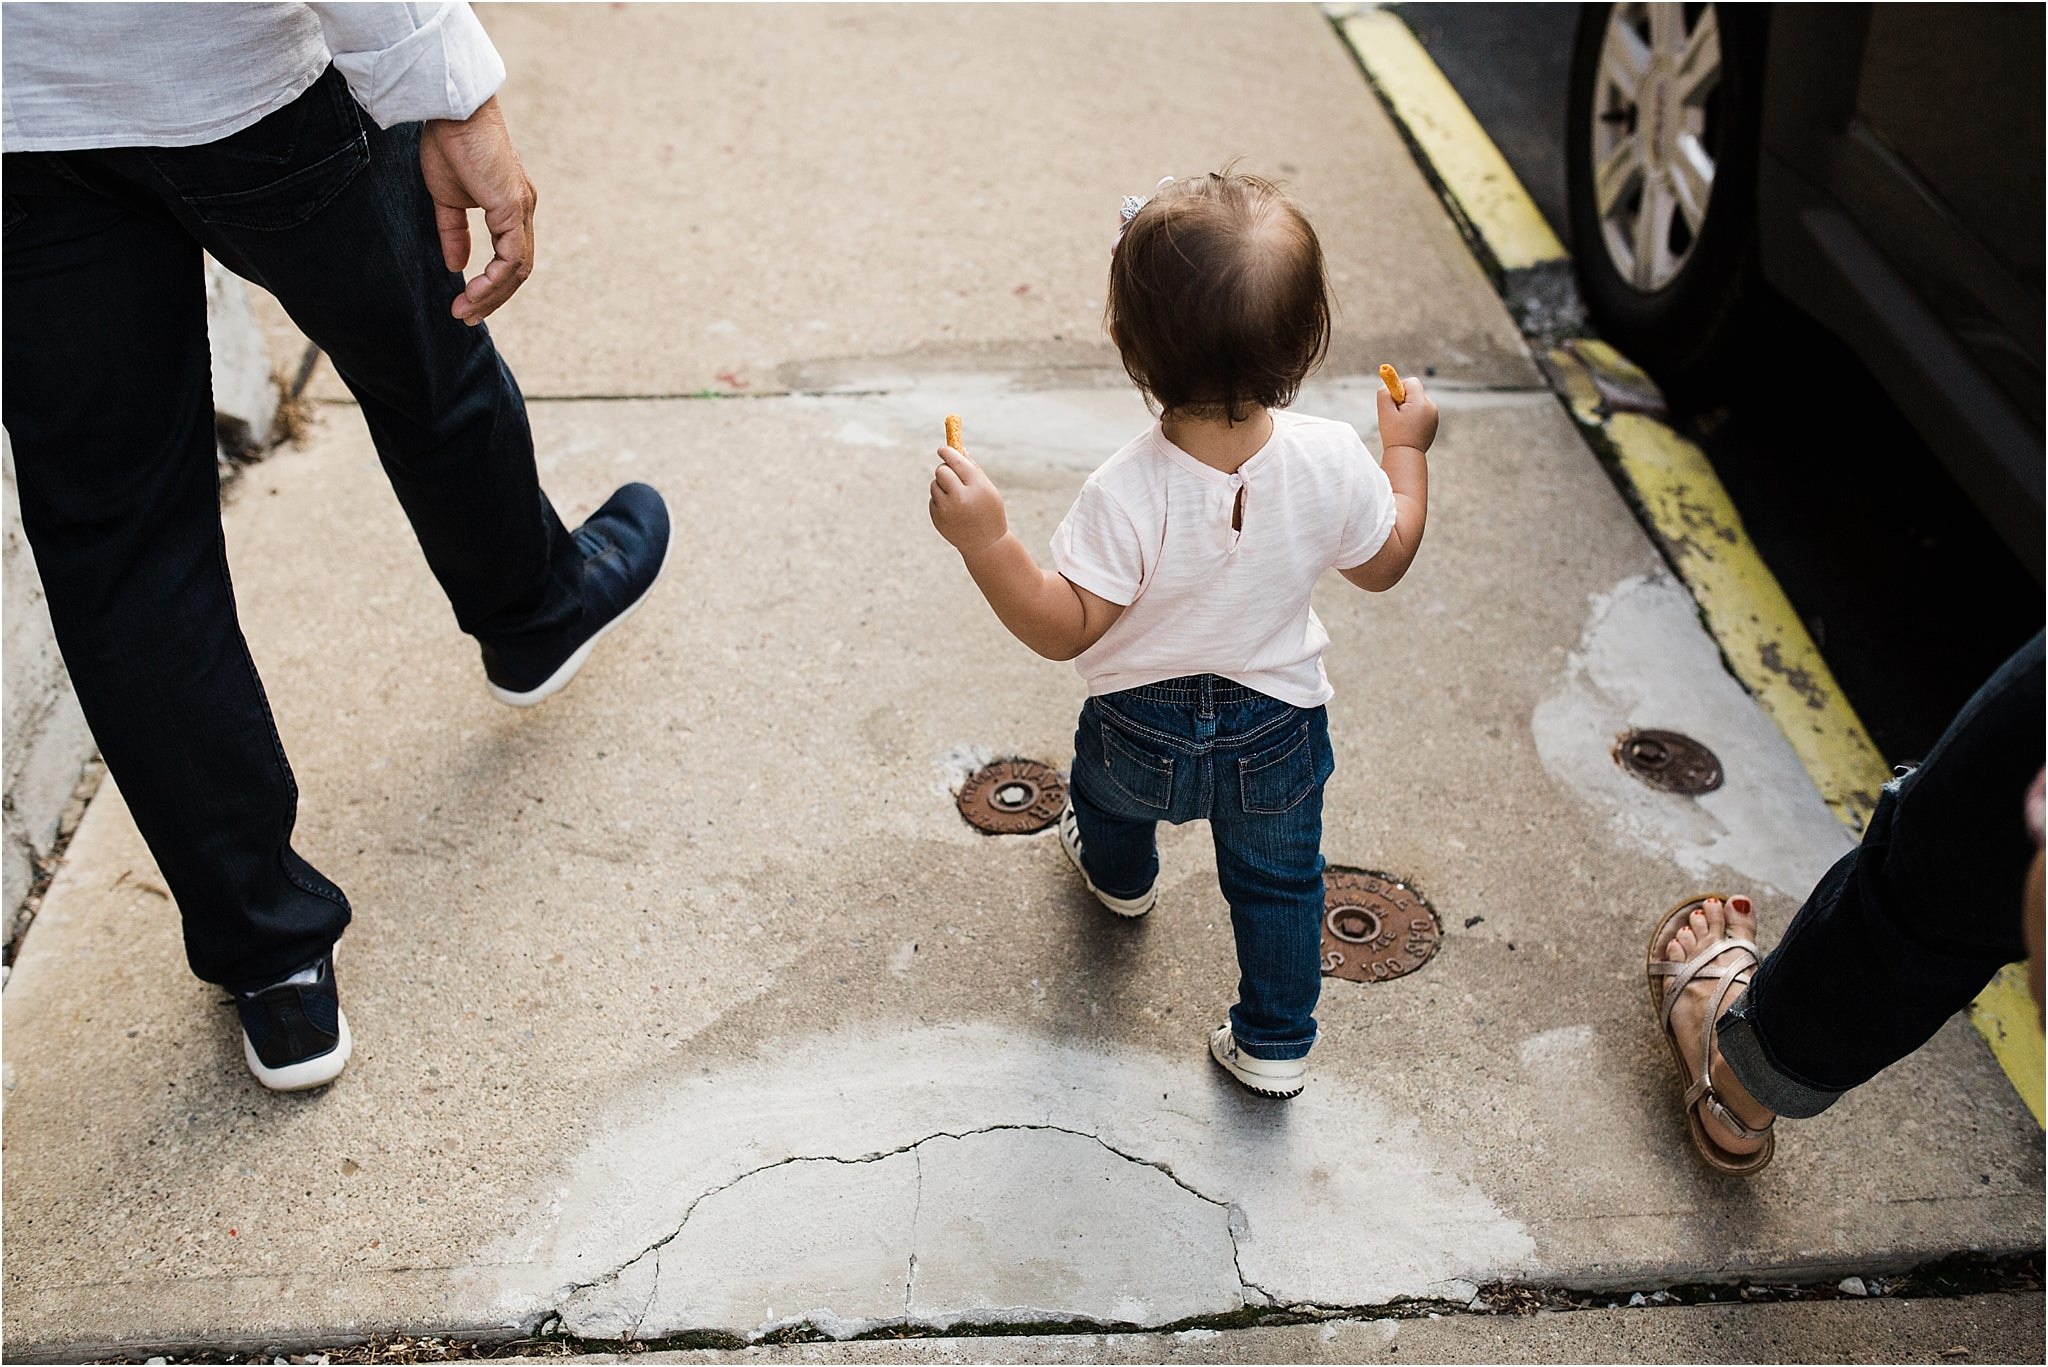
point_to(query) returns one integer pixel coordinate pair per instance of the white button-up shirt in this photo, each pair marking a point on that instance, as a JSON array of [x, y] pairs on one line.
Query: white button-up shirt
[[79, 75]]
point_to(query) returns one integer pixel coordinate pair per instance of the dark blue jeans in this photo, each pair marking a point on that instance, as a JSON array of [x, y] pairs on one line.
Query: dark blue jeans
[[109, 407], [1910, 925], [1203, 748]]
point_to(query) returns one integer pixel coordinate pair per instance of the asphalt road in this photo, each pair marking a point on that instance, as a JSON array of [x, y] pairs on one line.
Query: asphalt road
[[1911, 597]]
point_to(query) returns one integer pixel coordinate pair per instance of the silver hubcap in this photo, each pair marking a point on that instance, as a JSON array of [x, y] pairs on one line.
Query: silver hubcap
[[1653, 170]]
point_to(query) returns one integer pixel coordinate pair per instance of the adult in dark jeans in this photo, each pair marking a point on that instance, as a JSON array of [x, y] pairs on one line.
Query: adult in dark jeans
[[1918, 918], [137, 136]]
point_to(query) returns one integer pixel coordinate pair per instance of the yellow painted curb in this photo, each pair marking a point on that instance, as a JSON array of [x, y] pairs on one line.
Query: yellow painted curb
[[1758, 630], [1477, 176], [2004, 1013], [1681, 497]]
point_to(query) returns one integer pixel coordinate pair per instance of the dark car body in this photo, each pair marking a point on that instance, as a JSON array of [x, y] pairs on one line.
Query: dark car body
[[1900, 203]]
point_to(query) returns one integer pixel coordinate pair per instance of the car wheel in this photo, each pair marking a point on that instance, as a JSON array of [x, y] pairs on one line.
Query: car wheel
[[1661, 153]]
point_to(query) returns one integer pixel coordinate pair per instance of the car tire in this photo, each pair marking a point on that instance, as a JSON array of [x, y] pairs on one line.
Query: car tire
[[1682, 324]]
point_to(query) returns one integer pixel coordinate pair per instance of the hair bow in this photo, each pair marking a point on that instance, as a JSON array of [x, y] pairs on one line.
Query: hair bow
[[1133, 203]]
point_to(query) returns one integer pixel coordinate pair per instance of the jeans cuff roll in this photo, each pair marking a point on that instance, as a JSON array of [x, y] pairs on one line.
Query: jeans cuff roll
[[1750, 1061]]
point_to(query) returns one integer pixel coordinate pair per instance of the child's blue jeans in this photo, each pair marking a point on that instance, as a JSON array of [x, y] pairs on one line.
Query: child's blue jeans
[[1204, 748]]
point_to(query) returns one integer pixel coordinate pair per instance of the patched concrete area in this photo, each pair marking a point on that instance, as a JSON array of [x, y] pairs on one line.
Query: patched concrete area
[[1017, 1222], [1039, 1222], [799, 1239], [1643, 663], [1050, 1182]]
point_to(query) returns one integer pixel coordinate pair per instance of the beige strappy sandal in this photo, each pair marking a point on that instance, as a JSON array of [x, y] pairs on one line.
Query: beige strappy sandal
[[1732, 959]]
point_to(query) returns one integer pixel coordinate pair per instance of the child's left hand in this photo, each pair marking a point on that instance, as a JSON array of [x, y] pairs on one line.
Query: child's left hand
[[1410, 423], [965, 507]]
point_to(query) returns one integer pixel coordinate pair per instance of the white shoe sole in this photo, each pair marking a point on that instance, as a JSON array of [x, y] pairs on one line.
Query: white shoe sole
[[559, 680], [1278, 1088], [306, 1073], [1131, 908]]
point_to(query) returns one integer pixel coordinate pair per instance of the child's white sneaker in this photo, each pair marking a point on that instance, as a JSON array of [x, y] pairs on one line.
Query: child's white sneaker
[[1280, 1078], [1070, 841]]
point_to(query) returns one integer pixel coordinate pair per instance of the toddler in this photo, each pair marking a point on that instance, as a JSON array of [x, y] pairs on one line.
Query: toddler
[[1182, 588]]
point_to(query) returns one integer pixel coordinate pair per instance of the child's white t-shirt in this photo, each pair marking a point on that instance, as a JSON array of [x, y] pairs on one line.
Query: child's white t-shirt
[[1152, 530]]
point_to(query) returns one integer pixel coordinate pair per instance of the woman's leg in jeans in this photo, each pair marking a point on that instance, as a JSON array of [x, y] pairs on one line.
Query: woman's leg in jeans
[[1917, 918], [109, 409]]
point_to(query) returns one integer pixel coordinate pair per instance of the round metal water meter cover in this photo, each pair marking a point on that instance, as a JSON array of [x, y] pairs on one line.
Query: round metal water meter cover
[[1669, 761], [1374, 927], [1013, 797]]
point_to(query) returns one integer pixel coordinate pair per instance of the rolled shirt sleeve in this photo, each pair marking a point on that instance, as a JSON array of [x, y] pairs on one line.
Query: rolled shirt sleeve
[[411, 62]]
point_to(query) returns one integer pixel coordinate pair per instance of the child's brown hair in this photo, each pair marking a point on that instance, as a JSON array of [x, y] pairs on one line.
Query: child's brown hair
[[1217, 298]]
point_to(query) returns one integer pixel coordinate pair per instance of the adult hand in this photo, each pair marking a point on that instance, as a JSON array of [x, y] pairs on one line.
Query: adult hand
[[965, 506], [471, 165]]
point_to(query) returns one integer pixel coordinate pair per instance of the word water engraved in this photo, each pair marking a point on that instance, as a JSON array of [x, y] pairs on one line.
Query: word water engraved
[[1013, 797]]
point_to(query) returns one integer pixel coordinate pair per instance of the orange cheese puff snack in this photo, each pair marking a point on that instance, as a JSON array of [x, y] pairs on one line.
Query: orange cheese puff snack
[[1393, 384], [953, 438]]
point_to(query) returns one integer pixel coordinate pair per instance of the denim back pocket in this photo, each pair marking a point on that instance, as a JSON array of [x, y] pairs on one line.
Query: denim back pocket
[[1143, 776], [1278, 777], [278, 172]]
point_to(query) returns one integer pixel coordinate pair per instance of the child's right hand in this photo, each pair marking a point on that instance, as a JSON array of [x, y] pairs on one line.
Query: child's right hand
[[966, 508], [1411, 423]]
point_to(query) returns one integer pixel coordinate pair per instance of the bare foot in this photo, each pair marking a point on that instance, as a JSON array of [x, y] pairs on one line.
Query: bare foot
[[1708, 924]]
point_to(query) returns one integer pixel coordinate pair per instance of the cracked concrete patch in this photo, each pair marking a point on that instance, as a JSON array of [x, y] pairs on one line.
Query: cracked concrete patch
[[1046, 1224], [804, 1240], [1644, 660], [1049, 1224], [614, 1307], [967, 1175]]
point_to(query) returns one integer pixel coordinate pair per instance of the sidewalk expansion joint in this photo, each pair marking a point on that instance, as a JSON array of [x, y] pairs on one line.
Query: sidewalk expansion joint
[[677, 396], [1439, 385]]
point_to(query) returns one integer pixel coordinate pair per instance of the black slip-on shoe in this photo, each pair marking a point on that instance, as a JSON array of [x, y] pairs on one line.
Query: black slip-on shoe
[[625, 546], [294, 1035]]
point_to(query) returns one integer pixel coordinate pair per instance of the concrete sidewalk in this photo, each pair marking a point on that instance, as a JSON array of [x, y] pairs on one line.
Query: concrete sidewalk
[[688, 1002]]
